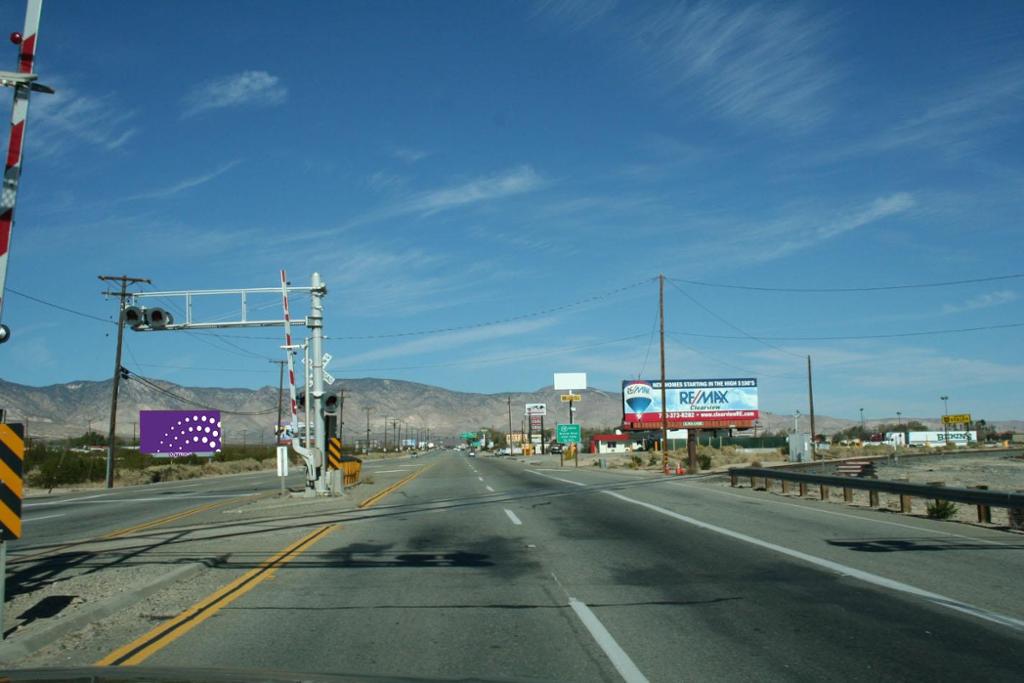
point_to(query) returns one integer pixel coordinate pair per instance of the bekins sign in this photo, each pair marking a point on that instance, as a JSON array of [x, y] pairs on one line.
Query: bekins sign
[[690, 399]]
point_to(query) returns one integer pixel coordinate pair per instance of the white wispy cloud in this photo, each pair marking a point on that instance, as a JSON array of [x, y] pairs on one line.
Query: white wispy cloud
[[760, 63], [382, 180], [246, 88], [512, 182], [981, 301], [409, 155], [450, 340], [66, 118], [956, 121], [181, 186], [576, 14], [781, 237]]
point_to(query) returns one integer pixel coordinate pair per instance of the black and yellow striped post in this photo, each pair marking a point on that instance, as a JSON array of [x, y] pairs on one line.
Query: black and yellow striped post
[[12, 489], [334, 453]]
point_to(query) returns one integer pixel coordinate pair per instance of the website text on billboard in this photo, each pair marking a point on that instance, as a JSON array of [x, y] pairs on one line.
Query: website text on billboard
[[690, 399]]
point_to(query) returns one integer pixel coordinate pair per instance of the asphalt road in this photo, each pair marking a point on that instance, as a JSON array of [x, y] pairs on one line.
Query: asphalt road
[[54, 520], [489, 569]]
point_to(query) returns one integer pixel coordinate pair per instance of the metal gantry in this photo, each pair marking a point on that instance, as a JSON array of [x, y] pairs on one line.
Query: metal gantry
[[157, 319]]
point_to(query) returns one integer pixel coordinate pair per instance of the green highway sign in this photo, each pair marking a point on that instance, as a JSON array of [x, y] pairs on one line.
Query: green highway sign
[[568, 433], [467, 435]]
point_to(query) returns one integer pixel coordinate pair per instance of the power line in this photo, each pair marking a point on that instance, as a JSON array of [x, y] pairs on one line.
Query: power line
[[650, 343], [745, 371], [833, 290], [458, 328], [746, 334], [486, 361], [166, 392], [922, 333], [60, 308]]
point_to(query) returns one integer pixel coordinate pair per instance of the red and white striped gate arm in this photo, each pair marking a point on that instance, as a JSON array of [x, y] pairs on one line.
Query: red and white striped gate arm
[[291, 364], [12, 169]]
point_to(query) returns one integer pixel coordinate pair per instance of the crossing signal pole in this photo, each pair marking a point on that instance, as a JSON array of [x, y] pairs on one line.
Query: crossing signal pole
[[122, 296]]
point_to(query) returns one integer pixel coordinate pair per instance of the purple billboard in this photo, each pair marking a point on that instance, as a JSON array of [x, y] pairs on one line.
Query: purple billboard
[[180, 432]]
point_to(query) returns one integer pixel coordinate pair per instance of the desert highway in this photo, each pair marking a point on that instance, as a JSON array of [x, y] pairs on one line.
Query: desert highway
[[497, 568]]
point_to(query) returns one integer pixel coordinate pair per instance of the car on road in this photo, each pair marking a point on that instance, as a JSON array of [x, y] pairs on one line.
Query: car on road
[[556, 449], [472, 454]]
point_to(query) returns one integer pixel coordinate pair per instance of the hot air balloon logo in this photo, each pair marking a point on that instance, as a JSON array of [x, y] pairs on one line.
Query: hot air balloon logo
[[638, 396]]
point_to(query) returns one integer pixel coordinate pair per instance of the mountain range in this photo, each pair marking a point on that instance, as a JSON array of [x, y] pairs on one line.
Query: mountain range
[[70, 409]]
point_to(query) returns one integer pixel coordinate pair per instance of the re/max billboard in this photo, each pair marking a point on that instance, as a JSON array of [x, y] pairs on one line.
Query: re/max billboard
[[690, 399]]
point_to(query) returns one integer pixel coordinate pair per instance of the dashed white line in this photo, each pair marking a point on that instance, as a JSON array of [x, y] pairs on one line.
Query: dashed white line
[[841, 569], [619, 659], [480, 478], [489, 489], [36, 519], [512, 516], [548, 476]]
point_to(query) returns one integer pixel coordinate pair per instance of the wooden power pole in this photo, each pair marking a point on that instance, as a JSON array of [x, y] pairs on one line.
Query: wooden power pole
[[122, 294]]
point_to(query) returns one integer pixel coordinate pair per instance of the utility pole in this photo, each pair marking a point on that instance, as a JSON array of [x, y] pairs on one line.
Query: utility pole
[[367, 431], [810, 399], [280, 397], [510, 426], [341, 415], [945, 412], [664, 414], [385, 433], [122, 294]]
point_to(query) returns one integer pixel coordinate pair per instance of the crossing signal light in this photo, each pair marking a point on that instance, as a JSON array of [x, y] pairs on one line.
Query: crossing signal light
[[139, 318], [331, 404], [134, 317], [157, 318]]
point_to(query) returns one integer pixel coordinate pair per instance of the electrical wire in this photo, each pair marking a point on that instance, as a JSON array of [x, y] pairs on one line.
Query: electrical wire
[[855, 337], [650, 343], [166, 392], [834, 290], [745, 371], [738, 329], [486, 361], [458, 328], [60, 308]]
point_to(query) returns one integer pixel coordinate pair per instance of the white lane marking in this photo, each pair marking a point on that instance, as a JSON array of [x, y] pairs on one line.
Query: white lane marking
[[489, 489], [512, 516], [810, 508], [841, 569], [618, 657], [480, 478], [548, 476], [36, 519], [65, 501]]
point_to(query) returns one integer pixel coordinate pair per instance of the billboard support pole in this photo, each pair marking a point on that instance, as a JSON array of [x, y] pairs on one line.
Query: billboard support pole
[[810, 399], [664, 415]]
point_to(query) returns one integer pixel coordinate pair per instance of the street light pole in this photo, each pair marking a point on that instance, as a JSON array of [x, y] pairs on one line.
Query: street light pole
[[862, 421]]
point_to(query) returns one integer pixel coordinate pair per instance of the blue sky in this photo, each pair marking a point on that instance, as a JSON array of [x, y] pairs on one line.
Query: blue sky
[[449, 164]]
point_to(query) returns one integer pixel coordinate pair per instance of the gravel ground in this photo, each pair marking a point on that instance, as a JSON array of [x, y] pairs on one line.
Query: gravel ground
[[227, 541]]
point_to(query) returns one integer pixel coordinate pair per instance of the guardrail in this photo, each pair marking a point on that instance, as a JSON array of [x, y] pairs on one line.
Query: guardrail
[[982, 498]]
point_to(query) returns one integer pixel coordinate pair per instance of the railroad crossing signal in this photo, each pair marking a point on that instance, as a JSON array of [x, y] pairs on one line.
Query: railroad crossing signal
[[334, 453], [12, 486]]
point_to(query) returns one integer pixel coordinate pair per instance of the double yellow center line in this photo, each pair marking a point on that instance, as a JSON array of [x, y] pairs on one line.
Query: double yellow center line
[[375, 498], [177, 515], [140, 649]]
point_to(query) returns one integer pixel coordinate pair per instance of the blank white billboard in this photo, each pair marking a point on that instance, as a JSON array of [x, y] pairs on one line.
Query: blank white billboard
[[568, 381]]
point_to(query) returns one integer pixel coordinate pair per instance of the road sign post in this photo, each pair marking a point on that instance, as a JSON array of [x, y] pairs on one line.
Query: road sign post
[[282, 466]]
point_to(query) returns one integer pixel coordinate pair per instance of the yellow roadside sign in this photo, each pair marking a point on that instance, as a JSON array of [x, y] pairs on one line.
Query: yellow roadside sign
[[571, 397], [962, 419]]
